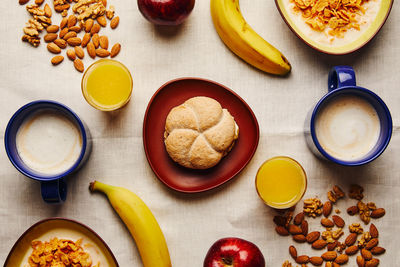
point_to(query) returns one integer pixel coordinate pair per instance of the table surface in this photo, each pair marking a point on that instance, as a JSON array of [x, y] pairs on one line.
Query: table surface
[[154, 55]]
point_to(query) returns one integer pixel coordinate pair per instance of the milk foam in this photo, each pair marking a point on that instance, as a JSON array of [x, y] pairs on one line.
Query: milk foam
[[348, 127], [48, 142]]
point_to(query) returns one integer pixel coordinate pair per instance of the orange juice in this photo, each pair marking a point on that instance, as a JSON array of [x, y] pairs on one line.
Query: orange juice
[[107, 85], [281, 182]]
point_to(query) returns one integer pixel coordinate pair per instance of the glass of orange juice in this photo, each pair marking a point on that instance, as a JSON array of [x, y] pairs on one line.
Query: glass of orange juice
[[107, 85], [281, 182]]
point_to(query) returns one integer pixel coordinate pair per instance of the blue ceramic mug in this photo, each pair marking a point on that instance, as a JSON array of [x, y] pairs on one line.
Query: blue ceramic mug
[[342, 83], [53, 185]]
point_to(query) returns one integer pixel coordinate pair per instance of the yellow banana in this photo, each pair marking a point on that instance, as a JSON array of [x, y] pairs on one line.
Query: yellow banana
[[141, 223], [244, 41]]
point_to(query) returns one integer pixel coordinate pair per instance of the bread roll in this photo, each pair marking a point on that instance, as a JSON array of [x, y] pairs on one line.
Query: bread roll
[[199, 133]]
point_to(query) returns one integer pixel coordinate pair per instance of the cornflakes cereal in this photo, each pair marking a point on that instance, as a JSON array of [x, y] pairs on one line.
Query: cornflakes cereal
[[59, 253], [337, 16]]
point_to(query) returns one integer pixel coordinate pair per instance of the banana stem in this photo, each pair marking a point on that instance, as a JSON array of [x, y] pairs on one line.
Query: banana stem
[[98, 186]]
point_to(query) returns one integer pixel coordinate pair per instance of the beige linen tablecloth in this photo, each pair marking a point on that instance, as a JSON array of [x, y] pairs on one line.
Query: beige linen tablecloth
[[191, 223]]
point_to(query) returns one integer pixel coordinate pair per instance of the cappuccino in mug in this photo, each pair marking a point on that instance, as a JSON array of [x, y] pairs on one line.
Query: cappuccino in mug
[[49, 142], [347, 127]]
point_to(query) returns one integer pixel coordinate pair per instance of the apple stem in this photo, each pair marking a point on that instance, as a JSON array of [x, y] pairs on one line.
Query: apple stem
[[227, 261]]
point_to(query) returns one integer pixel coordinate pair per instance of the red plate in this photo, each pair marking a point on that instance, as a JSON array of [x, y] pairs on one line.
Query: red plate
[[186, 180]]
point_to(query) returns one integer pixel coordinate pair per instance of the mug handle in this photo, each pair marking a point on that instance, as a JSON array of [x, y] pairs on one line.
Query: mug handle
[[341, 76], [54, 191]]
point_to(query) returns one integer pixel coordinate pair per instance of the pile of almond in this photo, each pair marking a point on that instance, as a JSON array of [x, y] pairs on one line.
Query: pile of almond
[[88, 17], [337, 253]]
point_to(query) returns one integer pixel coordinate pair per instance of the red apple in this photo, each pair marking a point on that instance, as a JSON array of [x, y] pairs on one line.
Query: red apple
[[166, 12], [234, 252]]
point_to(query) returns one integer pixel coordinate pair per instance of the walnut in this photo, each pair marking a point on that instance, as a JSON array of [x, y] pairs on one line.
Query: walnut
[[64, 13], [93, 11], [337, 233], [365, 213], [340, 247], [312, 207], [33, 40], [286, 264], [356, 192], [110, 12], [356, 228], [35, 10], [371, 206], [327, 236], [81, 5], [365, 237], [43, 20], [335, 194]]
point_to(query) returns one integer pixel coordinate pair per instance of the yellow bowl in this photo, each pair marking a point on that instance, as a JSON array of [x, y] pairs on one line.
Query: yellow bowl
[[368, 34], [61, 228]]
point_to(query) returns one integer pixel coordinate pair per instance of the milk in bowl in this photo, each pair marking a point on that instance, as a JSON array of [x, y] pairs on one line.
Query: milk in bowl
[[49, 142]]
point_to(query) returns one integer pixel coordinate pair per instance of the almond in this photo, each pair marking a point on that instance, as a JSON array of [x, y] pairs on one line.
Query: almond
[[299, 238], [53, 48], [293, 252], [372, 243], [69, 35], [327, 209], [95, 29], [71, 21], [351, 250], [319, 244], [74, 41], [75, 28], [103, 42], [339, 222], [303, 259], [47, 11], [372, 263], [316, 261], [279, 229], [304, 227], [57, 60], [52, 29], [294, 230], [96, 40], [342, 259], [102, 52], [92, 53], [353, 210], [23, 2], [102, 21], [367, 255], [63, 23], [332, 246], [327, 223], [278, 220], [312, 237], [78, 64], [63, 32], [351, 239], [61, 8], [373, 231], [360, 261], [88, 25], [329, 255], [61, 43], [104, 2], [298, 218], [85, 40], [50, 37], [71, 54], [114, 22], [378, 213], [378, 250], [115, 50], [79, 52]]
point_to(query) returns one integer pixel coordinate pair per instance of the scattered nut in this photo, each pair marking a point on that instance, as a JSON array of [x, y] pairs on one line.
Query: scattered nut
[[78, 64], [53, 48], [57, 60], [79, 52], [71, 54], [356, 192], [114, 22], [312, 207], [115, 50]]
